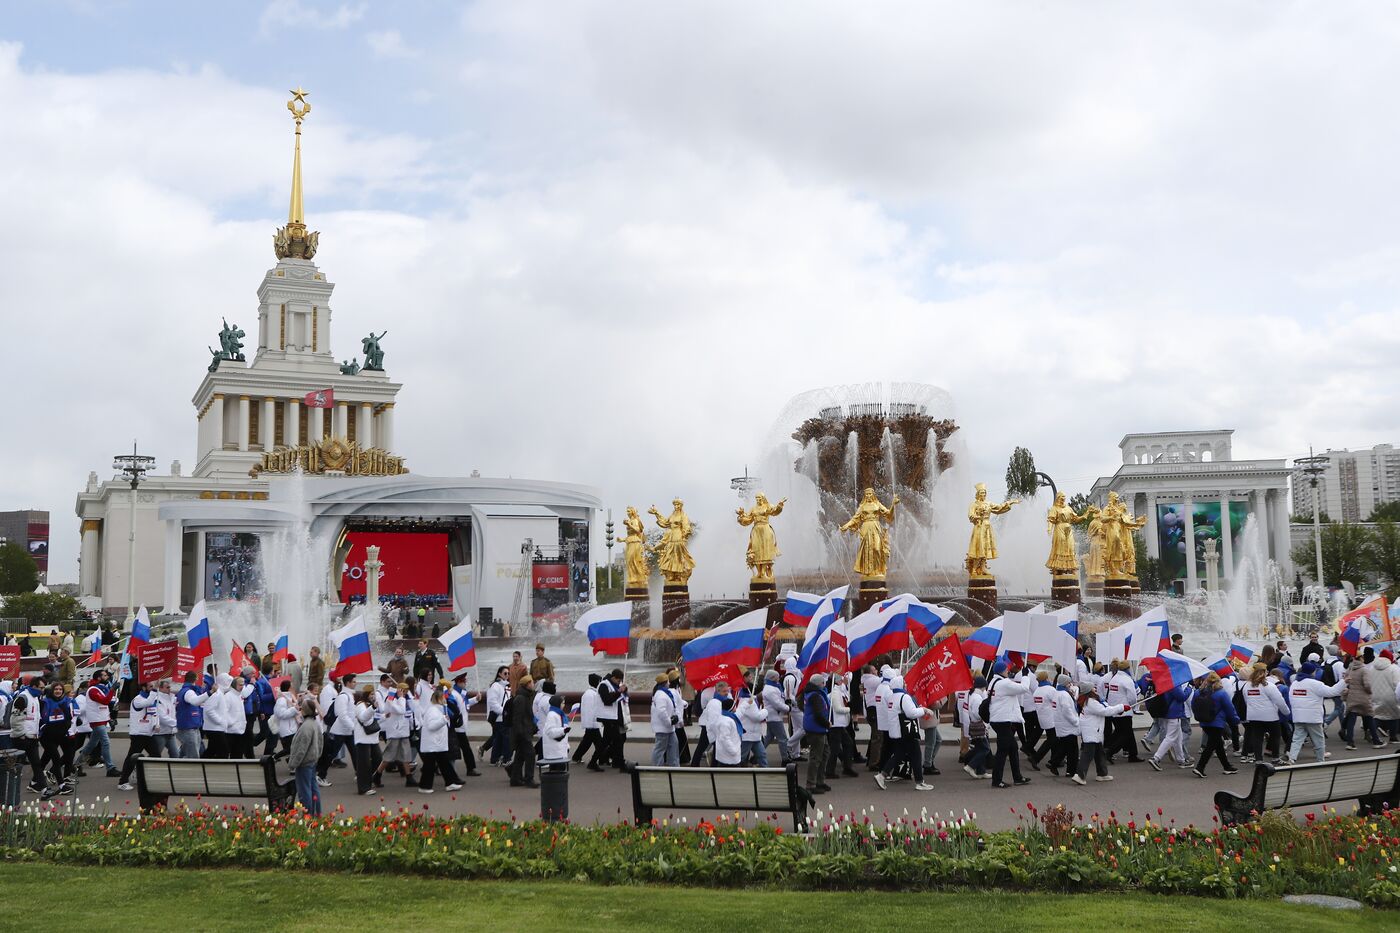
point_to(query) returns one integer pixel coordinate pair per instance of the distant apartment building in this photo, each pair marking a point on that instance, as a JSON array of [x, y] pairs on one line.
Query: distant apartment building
[[1352, 485], [29, 528]]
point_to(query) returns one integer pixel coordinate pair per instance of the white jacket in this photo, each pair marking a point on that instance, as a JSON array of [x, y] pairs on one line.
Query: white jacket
[[1006, 704], [908, 708], [235, 716], [496, 696], [840, 705], [465, 701], [165, 713], [1263, 702], [868, 683], [709, 709], [284, 715], [728, 740], [961, 698], [554, 736], [1309, 698], [144, 714], [1122, 691], [663, 710], [1091, 718], [1066, 710], [434, 729], [539, 707], [588, 708], [753, 717], [344, 705], [363, 715], [393, 717], [773, 700], [1043, 699]]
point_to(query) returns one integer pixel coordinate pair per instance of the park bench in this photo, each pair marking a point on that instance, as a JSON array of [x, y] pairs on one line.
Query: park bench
[[762, 789], [157, 779], [1374, 782]]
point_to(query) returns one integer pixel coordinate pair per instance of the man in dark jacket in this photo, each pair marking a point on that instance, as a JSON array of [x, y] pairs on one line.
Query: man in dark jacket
[[816, 722], [522, 734], [425, 664]]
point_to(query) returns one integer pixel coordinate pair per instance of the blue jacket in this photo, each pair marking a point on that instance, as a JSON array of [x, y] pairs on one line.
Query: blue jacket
[[1176, 703], [1224, 711], [187, 715], [816, 710], [267, 700]]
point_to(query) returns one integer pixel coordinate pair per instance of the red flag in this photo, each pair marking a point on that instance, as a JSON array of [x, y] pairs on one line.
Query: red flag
[[941, 672], [320, 398], [722, 672], [237, 660]]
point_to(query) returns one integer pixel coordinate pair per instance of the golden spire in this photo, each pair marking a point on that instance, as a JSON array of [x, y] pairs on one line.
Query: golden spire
[[293, 241]]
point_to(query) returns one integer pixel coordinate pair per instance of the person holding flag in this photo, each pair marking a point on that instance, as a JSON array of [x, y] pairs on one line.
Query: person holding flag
[[1308, 695], [906, 714], [1093, 714], [1213, 710], [816, 722]]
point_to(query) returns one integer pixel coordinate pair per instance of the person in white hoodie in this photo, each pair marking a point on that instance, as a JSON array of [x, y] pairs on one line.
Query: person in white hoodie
[[1263, 703], [215, 735], [727, 734], [1042, 703], [754, 719], [907, 715], [364, 732], [665, 716], [777, 708], [710, 709], [1121, 690], [1093, 713], [142, 723], [285, 719], [1385, 698], [394, 719], [163, 735], [588, 718], [236, 718], [340, 729], [433, 743], [463, 700], [1309, 696], [554, 734], [841, 746], [1005, 718], [1064, 704]]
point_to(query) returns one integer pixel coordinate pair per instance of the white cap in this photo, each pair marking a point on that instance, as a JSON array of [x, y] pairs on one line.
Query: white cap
[[896, 682]]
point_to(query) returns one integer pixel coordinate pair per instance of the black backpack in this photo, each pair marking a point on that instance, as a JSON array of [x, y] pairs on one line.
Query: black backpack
[[1240, 706], [1203, 707], [1329, 674], [1157, 706], [984, 709], [329, 718], [454, 715]]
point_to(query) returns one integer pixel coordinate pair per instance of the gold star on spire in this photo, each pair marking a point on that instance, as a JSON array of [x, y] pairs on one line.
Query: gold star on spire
[[293, 240]]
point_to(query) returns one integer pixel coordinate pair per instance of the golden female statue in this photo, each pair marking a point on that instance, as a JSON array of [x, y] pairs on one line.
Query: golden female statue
[[1060, 522], [1120, 556], [763, 544], [873, 554], [672, 556], [634, 550], [1093, 561], [982, 547]]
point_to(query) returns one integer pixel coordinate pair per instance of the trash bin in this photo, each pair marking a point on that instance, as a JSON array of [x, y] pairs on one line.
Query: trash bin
[[554, 790], [12, 768]]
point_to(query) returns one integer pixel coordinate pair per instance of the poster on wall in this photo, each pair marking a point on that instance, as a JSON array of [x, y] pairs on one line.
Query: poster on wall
[[414, 564], [1206, 525]]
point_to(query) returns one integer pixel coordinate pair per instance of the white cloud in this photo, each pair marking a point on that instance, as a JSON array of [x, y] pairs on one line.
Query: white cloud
[[389, 44], [294, 14]]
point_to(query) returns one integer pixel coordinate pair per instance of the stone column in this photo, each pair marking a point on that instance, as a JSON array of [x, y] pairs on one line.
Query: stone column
[[174, 539], [1279, 528], [244, 420], [385, 432], [199, 545], [1188, 507], [1154, 545], [89, 580], [342, 420], [372, 566], [268, 424], [1227, 569], [216, 411], [317, 429], [364, 417], [291, 424]]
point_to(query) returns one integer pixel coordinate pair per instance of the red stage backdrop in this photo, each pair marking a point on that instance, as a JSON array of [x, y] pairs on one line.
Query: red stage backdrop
[[413, 563]]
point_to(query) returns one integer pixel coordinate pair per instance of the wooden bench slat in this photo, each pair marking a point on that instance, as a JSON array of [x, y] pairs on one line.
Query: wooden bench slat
[[1374, 782], [765, 789]]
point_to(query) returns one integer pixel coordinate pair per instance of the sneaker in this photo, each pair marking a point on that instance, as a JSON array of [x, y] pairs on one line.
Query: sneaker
[[880, 780], [1000, 785], [322, 782], [1156, 765], [1188, 762], [425, 790], [1022, 782], [970, 772], [126, 787], [372, 793], [1054, 770], [1326, 755], [1350, 747], [1104, 778], [923, 787], [1078, 780], [985, 776], [48, 793], [37, 788], [113, 772], [1146, 746], [1197, 772], [451, 787], [67, 788], [1228, 771], [1288, 762]]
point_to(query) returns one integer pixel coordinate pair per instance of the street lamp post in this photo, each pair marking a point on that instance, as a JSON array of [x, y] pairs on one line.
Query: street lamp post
[[610, 540], [133, 468], [1315, 466]]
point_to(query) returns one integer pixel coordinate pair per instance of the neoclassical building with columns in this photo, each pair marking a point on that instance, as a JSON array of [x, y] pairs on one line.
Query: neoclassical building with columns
[[1191, 489], [294, 439]]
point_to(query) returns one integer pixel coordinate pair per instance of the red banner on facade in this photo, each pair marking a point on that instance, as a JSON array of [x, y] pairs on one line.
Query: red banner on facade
[[157, 661], [9, 662], [941, 672], [321, 398], [550, 576]]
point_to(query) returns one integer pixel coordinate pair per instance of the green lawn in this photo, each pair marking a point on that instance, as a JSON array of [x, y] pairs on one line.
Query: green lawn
[[98, 899]]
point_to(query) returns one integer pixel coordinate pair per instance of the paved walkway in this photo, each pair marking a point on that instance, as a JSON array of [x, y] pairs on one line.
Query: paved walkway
[[607, 798]]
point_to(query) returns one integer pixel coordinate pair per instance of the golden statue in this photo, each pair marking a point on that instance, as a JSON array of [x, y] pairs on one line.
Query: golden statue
[[982, 547], [873, 554], [1060, 522], [1093, 561], [634, 552], [763, 545], [672, 556], [1119, 553]]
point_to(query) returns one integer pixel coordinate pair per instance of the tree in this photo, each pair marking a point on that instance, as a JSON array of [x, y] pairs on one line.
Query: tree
[[1079, 502], [1306, 518], [1346, 553], [18, 572], [44, 608], [1148, 569], [1385, 512], [1385, 551], [1021, 481], [600, 581]]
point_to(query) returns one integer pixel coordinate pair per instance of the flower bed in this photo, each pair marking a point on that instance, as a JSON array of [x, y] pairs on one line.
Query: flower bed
[[1053, 851]]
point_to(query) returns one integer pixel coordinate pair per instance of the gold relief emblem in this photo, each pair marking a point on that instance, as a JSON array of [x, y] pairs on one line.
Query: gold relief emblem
[[336, 454]]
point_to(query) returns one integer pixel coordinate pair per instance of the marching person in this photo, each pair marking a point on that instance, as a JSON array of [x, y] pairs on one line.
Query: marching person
[[163, 735], [1042, 702], [816, 723], [305, 751], [339, 717], [753, 720], [1093, 716], [728, 732], [588, 718], [792, 678], [1005, 715], [1121, 690], [140, 727], [215, 733], [99, 717], [28, 705], [464, 701], [1214, 711], [284, 719], [555, 735], [979, 752], [1309, 695], [665, 715], [884, 702], [1264, 704], [364, 732], [1065, 706], [189, 716], [496, 696], [433, 744], [839, 743], [906, 714], [56, 720], [869, 683], [1173, 737], [522, 734], [777, 708], [395, 721]]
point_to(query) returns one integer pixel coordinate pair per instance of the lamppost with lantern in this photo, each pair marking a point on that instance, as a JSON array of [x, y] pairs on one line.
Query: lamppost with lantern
[[1315, 465], [133, 468]]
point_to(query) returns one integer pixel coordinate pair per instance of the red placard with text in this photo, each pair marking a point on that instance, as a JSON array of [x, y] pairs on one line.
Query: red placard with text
[[9, 662], [157, 661]]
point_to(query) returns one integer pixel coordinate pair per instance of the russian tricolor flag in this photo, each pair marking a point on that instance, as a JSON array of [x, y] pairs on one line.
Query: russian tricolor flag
[[1170, 670], [352, 647], [881, 629], [799, 608], [461, 646], [1242, 651], [1363, 623], [985, 641], [738, 642], [1349, 641], [1220, 664], [925, 620], [281, 648], [140, 630], [197, 631], [607, 628], [825, 639]]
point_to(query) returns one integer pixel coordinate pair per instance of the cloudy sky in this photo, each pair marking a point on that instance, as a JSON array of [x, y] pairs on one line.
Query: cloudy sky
[[609, 239]]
